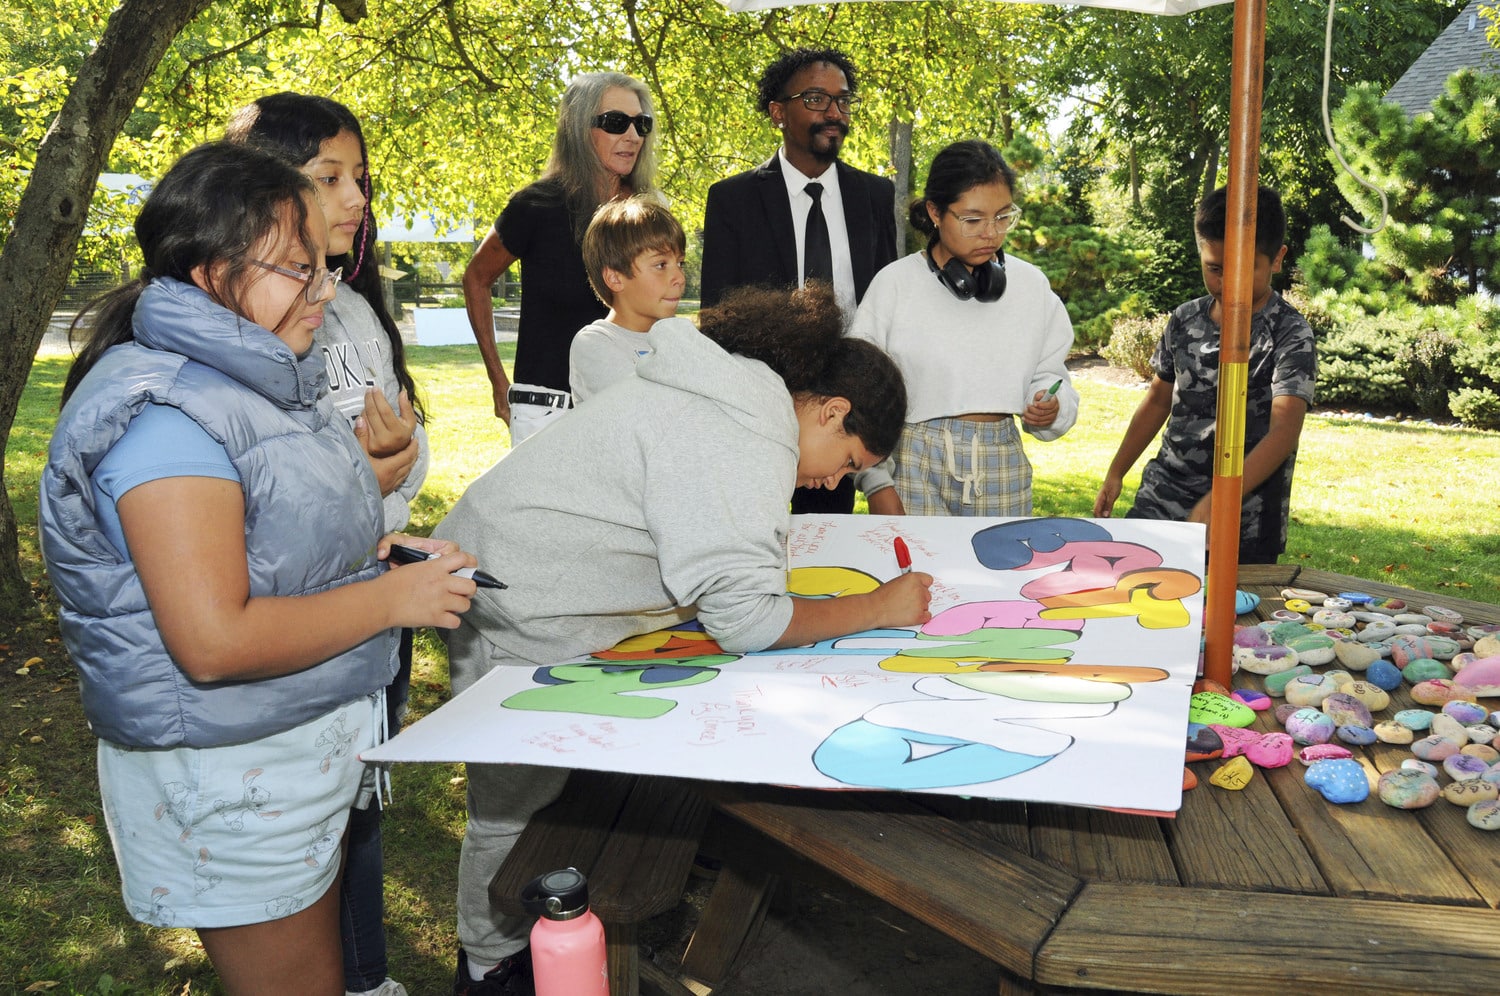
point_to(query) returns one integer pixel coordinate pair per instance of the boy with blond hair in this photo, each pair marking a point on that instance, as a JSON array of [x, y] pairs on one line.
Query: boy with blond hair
[[633, 252]]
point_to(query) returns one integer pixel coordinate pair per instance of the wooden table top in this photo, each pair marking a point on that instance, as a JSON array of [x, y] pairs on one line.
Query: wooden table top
[[1241, 893]]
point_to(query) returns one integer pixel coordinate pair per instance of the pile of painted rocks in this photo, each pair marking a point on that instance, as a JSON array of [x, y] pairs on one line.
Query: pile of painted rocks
[[1334, 660]]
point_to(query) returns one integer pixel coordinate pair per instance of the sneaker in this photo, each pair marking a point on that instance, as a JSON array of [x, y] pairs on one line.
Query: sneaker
[[390, 987], [512, 977]]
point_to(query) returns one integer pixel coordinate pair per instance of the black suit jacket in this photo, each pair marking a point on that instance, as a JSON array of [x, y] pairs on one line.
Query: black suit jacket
[[748, 236]]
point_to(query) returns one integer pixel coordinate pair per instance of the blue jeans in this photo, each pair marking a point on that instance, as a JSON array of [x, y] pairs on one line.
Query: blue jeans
[[362, 890]]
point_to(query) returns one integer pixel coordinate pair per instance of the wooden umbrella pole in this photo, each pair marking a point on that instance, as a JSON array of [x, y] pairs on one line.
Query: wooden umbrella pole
[[1234, 337]]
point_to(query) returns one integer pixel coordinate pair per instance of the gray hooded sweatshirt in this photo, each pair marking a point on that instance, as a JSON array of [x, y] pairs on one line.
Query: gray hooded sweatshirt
[[665, 497]]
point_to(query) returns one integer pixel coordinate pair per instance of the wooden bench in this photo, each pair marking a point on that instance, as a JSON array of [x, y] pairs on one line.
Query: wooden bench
[[634, 838]]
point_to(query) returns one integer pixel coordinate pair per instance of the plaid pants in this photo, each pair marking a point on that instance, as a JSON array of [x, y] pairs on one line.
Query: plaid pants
[[950, 466]]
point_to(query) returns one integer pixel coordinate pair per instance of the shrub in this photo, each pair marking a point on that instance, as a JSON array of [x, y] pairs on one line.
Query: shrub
[[1478, 409], [1132, 340], [1427, 363]]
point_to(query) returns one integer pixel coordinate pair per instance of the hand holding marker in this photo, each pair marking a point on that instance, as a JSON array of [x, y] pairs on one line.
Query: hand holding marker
[[411, 555], [1052, 391]]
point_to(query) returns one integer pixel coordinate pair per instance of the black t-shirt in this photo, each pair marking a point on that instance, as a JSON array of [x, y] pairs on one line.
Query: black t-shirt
[[556, 299]]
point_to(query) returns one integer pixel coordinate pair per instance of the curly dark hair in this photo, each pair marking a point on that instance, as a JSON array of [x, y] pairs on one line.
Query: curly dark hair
[[800, 335], [773, 81]]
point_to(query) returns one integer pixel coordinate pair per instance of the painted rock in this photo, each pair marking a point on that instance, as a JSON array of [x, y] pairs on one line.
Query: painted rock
[[1465, 711], [1310, 690], [1276, 683], [1447, 630], [1356, 597], [1478, 631], [1495, 718], [1274, 750], [1359, 736], [1388, 604], [1335, 602], [1233, 774], [1461, 661], [1283, 633], [1259, 701], [1371, 695], [1444, 614], [1234, 740], [1376, 631], [1443, 648], [1434, 691], [1484, 815], [1412, 629], [1384, 675], [1487, 645], [1354, 655], [1211, 707], [1434, 748], [1408, 618], [1391, 732], [1310, 726], [1450, 730], [1417, 764], [1424, 669], [1306, 594], [1245, 602], [1467, 793], [1482, 734], [1189, 780], [1287, 615], [1341, 679], [1369, 616], [1346, 710], [1492, 775], [1265, 660], [1333, 619], [1407, 789], [1314, 649], [1209, 685], [1340, 633], [1301, 606], [1406, 648], [1251, 636], [1282, 711], [1202, 742], [1463, 768], [1481, 678], [1341, 782], [1489, 755], [1323, 752], [1415, 719]]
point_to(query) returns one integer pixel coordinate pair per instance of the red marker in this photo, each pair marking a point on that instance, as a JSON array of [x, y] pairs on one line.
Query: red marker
[[903, 556]]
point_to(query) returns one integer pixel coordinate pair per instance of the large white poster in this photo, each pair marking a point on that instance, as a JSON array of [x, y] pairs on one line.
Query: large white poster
[[1057, 667]]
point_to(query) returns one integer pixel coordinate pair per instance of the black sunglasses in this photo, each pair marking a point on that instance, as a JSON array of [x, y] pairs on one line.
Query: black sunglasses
[[615, 123]]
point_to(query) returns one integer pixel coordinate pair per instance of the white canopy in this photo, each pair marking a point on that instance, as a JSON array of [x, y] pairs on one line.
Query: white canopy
[[1171, 7]]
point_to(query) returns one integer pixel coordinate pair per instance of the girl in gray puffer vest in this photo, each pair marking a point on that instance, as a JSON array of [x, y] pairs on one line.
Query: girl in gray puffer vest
[[213, 530]]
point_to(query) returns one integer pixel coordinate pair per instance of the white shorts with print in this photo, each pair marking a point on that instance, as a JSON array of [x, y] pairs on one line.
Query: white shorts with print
[[226, 836]]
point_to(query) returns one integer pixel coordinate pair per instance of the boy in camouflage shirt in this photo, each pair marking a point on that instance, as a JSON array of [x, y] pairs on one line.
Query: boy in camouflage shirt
[[1184, 395]]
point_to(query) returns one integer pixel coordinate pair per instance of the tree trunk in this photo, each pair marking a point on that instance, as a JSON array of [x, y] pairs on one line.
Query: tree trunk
[[900, 134], [50, 216], [1135, 181]]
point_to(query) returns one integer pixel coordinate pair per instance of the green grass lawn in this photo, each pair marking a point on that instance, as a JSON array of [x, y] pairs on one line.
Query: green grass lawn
[[1411, 505]]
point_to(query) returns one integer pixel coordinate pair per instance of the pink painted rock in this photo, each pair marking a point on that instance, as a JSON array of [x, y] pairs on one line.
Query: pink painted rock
[[1259, 701], [1323, 752], [1404, 788], [1274, 750], [1479, 679], [1235, 739], [1435, 691], [1434, 748]]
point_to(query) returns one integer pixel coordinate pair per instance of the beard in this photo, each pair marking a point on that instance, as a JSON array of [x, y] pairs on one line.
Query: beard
[[826, 148]]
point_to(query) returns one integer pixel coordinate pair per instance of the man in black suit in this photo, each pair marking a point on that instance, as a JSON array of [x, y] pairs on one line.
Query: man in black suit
[[759, 224]]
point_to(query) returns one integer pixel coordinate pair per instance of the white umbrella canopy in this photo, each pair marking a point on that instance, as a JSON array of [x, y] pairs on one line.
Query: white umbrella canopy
[[1246, 69]]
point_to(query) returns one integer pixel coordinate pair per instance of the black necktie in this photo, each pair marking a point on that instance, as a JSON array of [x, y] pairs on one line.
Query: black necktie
[[817, 254]]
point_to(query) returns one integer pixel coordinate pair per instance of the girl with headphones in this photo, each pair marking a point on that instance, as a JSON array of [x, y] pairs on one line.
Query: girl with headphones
[[979, 339]]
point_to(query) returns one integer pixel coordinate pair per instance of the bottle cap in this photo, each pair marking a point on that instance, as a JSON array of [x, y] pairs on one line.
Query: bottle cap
[[557, 895]]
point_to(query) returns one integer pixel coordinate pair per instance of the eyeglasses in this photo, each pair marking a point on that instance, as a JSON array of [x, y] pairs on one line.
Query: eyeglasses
[[615, 123], [317, 285], [1000, 223], [818, 100]]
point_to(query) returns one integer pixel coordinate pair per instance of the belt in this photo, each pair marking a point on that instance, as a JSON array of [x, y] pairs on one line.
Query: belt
[[547, 399]]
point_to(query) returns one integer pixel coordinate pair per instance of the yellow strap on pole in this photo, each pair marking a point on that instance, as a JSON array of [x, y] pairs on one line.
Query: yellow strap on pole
[[1234, 336]]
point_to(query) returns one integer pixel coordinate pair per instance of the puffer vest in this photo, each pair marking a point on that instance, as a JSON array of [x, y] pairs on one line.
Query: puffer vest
[[312, 520]]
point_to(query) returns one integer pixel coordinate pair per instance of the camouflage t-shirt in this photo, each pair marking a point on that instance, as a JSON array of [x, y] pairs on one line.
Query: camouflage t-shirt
[[1283, 361]]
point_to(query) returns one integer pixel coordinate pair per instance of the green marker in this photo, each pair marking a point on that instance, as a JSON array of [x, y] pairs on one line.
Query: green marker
[[1051, 391]]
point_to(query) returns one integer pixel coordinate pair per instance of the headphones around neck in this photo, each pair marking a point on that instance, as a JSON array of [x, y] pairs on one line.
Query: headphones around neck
[[986, 282]]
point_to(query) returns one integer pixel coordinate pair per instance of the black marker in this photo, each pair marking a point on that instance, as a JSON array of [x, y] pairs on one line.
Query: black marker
[[411, 555]]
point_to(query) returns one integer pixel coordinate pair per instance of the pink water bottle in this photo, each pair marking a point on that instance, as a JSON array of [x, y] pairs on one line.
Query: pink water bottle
[[567, 943]]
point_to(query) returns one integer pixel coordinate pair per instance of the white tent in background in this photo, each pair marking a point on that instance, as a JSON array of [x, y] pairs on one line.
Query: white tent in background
[[1246, 69]]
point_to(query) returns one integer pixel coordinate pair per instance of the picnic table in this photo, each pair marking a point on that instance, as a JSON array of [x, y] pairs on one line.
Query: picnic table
[[1242, 892]]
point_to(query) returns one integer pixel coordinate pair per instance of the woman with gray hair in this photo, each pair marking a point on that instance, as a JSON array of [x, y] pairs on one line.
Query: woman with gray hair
[[602, 150]]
